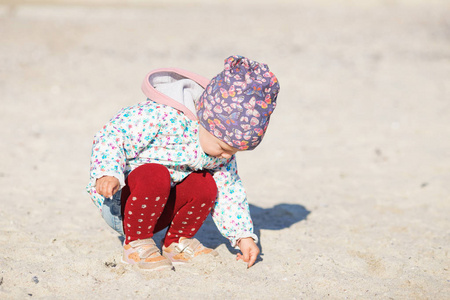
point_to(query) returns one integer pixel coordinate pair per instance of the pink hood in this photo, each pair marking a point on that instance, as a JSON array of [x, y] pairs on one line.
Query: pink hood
[[174, 87]]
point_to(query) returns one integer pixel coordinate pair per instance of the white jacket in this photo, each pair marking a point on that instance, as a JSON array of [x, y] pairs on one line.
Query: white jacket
[[164, 130]]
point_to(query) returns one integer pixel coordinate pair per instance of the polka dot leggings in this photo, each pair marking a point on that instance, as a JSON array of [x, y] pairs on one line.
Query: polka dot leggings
[[149, 204]]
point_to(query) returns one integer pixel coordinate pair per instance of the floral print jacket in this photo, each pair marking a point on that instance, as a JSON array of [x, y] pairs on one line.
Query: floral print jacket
[[164, 130]]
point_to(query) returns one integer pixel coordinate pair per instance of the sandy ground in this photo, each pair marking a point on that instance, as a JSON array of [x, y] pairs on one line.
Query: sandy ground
[[350, 190]]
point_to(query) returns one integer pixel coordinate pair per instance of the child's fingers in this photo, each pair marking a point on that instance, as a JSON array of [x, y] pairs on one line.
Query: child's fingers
[[104, 189], [107, 186], [114, 189], [252, 259], [111, 190], [240, 256], [245, 255]]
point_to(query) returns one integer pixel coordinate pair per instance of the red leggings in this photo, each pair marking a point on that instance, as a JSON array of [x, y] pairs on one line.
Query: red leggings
[[149, 204]]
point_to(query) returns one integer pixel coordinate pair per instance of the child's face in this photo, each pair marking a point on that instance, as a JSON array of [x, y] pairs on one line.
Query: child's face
[[213, 146]]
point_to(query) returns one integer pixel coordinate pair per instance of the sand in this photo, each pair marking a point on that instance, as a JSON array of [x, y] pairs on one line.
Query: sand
[[349, 191]]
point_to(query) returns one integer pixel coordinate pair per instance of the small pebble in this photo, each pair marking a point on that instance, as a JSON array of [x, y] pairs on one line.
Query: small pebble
[[110, 264], [35, 279]]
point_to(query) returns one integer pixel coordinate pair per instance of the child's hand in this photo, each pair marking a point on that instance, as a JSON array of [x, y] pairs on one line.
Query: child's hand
[[249, 251], [107, 186]]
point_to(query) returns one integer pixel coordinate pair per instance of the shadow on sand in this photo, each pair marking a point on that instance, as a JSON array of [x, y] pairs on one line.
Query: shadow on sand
[[279, 217]]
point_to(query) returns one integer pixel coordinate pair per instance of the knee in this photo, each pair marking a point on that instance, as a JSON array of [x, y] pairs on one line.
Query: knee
[[206, 186], [149, 174]]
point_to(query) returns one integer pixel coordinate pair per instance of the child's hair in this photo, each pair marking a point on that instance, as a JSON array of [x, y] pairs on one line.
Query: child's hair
[[236, 105]]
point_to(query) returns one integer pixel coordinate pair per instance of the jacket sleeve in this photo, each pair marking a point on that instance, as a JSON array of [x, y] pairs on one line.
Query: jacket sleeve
[[122, 139], [231, 212]]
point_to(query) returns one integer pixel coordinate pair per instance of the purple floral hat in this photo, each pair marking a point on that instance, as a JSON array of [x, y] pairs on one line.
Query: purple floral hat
[[236, 105]]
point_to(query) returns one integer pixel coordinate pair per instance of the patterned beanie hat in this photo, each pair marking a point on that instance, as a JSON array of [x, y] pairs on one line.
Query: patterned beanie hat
[[236, 105]]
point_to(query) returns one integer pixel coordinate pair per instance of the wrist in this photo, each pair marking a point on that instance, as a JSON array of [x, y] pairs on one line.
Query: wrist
[[241, 239]]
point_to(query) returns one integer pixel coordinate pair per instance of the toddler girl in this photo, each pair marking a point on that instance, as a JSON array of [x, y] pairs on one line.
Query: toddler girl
[[169, 161]]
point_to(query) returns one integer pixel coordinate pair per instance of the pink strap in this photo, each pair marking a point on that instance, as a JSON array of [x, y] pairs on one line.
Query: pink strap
[[159, 97]]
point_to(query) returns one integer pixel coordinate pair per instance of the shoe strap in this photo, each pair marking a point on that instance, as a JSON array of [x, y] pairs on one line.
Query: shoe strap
[[145, 248], [188, 246]]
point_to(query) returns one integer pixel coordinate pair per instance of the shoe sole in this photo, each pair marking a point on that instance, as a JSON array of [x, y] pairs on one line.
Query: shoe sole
[[175, 262], [148, 269], [182, 262]]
